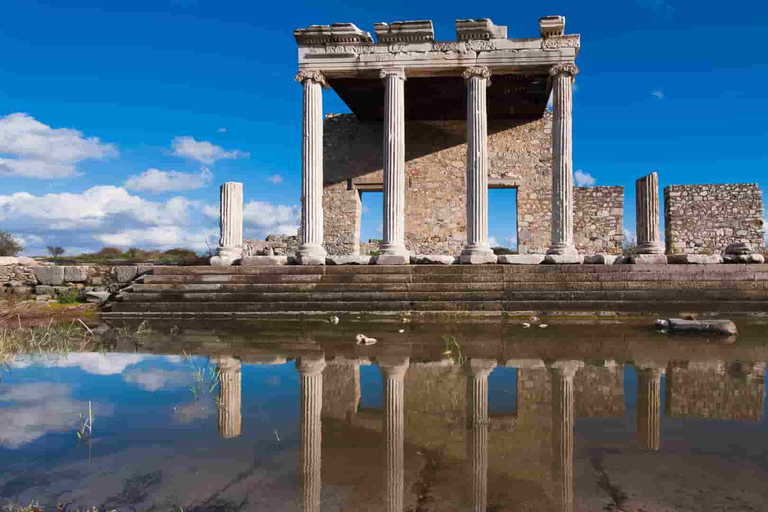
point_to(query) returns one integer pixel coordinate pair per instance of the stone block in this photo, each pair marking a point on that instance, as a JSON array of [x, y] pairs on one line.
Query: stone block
[[348, 259], [97, 280], [8, 260], [21, 290], [60, 290], [648, 259], [51, 275], [479, 258], [433, 259], [393, 259], [601, 259], [125, 274], [311, 259], [743, 258], [75, 274], [257, 261], [521, 259], [43, 289], [27, 261], [564, 259], [96, 297], [679, 325], [739, 248], [695, 259]]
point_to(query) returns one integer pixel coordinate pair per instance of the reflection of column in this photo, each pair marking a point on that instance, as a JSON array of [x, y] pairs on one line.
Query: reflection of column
[[562, 431], [229, 397], [393, 372], [230, 224], [311, 251], [477, 371], [311, 371], [649, 407]]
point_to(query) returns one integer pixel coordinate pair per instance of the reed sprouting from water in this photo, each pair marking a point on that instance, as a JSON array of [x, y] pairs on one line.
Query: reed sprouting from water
[[54, 338]]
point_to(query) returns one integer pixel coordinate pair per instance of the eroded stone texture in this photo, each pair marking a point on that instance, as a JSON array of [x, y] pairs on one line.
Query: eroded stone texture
[[598, 219], [599, 391], [705, 219], [281, 245]]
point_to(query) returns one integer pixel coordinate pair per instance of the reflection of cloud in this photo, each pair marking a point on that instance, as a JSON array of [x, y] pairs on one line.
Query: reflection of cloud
[[193, 411], [154, 379], [39, 408], [90, 362]]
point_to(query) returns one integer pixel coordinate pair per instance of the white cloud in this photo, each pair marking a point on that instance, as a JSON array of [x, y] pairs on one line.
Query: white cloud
[[492, 241], [155, 379], [275, 178], [223, 129], [204, 151], [366, 209], [157, 181], [164, 237], [658, 95], [583, 179], [31, 149], [267, 215], [512, 240], [90, 362], [380, 229]]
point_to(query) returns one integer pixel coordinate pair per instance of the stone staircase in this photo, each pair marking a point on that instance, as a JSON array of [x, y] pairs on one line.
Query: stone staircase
[[489, 290]]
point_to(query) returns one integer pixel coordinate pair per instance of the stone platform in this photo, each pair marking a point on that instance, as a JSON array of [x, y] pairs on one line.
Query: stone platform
[[487, 290]]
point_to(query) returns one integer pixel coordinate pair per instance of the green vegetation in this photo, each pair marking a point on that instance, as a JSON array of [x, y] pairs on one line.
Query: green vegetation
[[112, 255], [628, 245], [72, 296], [453, 349], [8, 244], [55, 251]]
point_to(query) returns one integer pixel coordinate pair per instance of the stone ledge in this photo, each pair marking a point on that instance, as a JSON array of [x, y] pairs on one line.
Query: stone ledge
[[564, 259], [521, 259], [648, 259], [433, 259], [695, 259], [744, 258], [256, 261], [602, 259], [349, 259]]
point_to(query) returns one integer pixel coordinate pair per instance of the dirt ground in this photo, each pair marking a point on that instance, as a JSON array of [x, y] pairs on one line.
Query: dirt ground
[[31, 312]]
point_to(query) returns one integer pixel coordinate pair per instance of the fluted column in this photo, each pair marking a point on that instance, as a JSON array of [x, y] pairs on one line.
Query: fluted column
[[311, 251], [477, 371], [393, 250], [649, 407], [477, 249], [562, 249], [393, 373], [311, 371], [647, 215], [230, 224], [230, 393], [562, 431]]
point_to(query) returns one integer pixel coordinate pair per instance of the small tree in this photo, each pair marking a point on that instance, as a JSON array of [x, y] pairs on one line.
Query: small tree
[[629, 245], [8, 245], [55, 251]]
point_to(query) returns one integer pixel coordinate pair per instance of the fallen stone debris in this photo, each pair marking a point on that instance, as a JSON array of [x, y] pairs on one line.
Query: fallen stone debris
[[683, 326]]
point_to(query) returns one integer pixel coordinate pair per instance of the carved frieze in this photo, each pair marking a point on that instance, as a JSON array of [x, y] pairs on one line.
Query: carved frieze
[[419, 31], [556, 43], [356, 49], [396, 48], [481, 45], [448, 46], [480, 29]]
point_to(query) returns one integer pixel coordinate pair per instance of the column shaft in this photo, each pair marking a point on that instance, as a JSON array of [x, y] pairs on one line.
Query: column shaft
[[477, 431], [647, 215], [562, 162], [649, 407], [230, 224], [562, 432], [311, 431], [477, 249], [230, 397], [311, 251], [393, 250], [393, 374]]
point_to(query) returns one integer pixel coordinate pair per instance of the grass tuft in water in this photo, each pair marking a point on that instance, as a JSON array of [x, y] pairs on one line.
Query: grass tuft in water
[[51, 339], [453, 349]]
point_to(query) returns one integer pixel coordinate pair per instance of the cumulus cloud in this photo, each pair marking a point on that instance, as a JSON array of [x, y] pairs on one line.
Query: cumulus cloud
[[157, 181], [89, 362], [204, 151], [269, 216], [155, 379], [276, 178], [659, 95], [31, 149], [163, 237], [583, 179]]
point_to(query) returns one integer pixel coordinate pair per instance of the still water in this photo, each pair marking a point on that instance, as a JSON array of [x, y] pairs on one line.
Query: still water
[[293, 416]]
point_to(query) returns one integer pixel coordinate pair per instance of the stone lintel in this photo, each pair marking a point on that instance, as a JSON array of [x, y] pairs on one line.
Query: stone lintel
[[336, 33], [521, 259], [648, 259], [405, 32], [551, 26], [695, 259], [483, 28]]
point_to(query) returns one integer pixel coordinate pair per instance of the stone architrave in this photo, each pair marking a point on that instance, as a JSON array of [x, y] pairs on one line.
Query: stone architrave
[[231, 224], [562, 249], [393, 373], [392, 248], [311, 370], [563, 373], [311, 251], [477, 371], [477, 250], [230, 393], [649, 407]]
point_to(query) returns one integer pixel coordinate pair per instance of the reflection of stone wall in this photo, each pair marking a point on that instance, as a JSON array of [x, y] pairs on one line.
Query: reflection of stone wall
[[717, 391], [599, 391], [704, 219], [598, 219], [341, 390]]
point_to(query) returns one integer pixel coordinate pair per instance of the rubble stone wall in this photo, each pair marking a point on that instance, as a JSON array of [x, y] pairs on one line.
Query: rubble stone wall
[[704, 219], [53, 280], [282, 245], [599, 391], [598, 219]]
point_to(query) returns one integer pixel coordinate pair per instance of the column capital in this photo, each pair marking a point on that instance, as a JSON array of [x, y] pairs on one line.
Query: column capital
[[311, 74], [396, 72], [310, 366], [227, 363], [567, 68], [479, 367], [567, 369], [479, 71], [393, 366]]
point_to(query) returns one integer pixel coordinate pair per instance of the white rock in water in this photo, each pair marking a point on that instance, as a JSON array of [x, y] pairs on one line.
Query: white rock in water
[[334, 320], [661, 323], [362, 339], [526, 325], [543, 326], [401, 331]]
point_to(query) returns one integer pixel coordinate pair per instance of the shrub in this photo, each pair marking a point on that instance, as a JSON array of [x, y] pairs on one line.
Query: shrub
[[55, 251], [71, 296], [8, 245], [107, 252], [628, 245]]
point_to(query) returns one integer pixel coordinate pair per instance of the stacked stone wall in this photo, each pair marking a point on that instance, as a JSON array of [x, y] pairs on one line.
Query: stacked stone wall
[[282, 245], [704, 219], [599, 391], [598, 219]]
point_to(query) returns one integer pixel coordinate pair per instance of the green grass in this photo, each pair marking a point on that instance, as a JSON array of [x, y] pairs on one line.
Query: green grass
[[51, 339]]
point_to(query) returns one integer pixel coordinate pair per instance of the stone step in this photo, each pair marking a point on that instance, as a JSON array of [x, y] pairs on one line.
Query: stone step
[[315, 287]]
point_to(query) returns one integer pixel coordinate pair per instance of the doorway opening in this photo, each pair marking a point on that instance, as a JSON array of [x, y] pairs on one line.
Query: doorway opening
[[502, 391], [502, 217], [371, 220]]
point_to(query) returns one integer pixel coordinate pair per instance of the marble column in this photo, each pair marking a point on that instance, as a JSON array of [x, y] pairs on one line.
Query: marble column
[[311, 370], [562, 249], [649, 249], [477, 250], [230, 393], [649, 407], [477, 371], [311, 251], [563, 373], [393, 373], [231, 225], [392, 248]]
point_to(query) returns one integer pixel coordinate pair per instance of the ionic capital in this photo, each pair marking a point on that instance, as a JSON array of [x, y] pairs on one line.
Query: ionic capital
[[481, 71], [567, 68], [393, 366], [310, 366], [479, 368], [396, 72], [567, 369], [311, 74]]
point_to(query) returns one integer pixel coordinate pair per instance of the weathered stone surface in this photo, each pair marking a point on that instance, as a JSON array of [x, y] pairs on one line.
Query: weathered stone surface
[[52, 275], [598, 219], [25, 260], [310, 259], [739, 248], [75, 274], [348, 259], [648, 259], [97, 297], [695, 259], [564, 259], [705, 219], [42, 289], [743, 258], [726, 327], [8, 260], [521, 259], [433, 259], [281, 245], [601, 259], [393, 259], [478, 258], [647, 215], [254, 261], [125, 274]]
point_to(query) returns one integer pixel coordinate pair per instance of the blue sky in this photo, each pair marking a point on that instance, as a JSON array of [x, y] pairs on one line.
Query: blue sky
[[101, 103]]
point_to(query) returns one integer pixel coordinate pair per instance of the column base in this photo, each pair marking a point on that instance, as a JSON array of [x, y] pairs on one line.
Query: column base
[[478, 255], [311, 255], [650, 248], [563, 254], [227, 257]]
